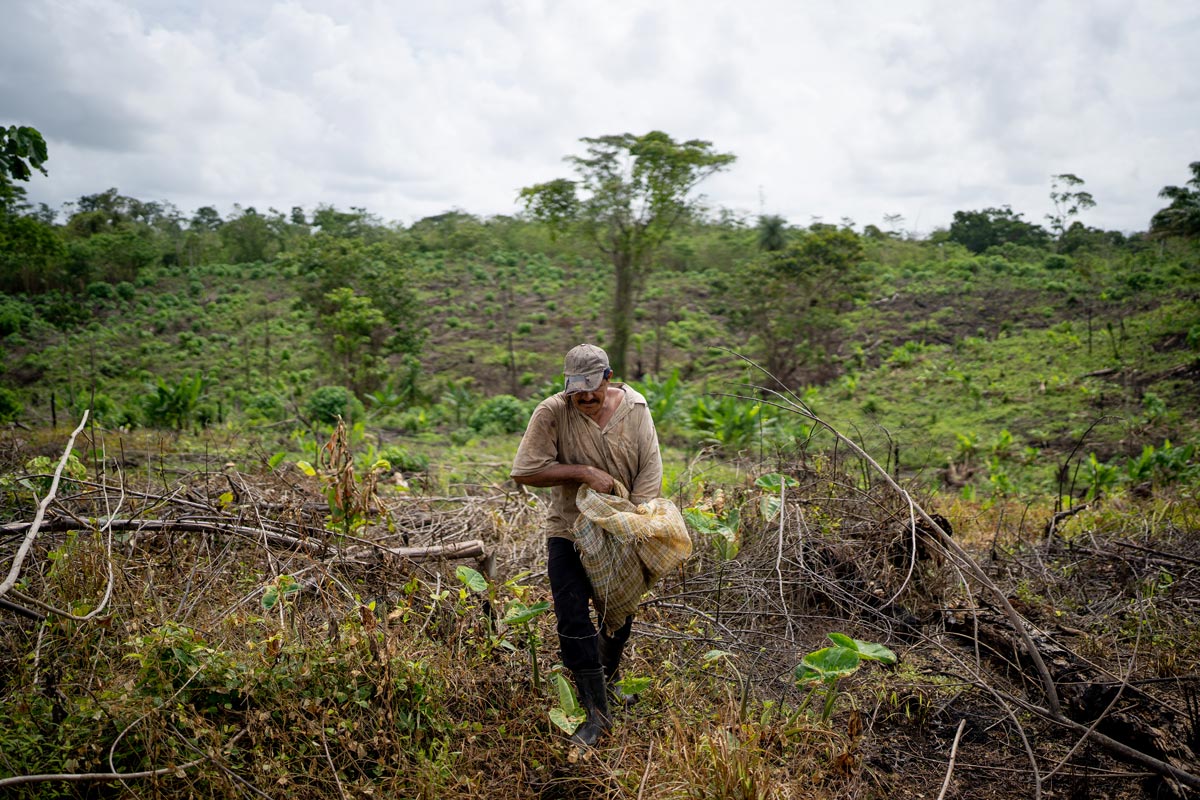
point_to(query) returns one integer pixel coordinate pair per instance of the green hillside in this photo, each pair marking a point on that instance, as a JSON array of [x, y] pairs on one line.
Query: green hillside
[[997, 364]]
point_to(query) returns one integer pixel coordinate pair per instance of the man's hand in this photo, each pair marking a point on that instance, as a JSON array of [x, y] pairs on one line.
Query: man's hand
[[600, 481]]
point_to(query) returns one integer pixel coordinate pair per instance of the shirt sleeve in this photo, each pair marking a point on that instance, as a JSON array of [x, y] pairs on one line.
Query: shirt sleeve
[[648, 483], [539, 445]]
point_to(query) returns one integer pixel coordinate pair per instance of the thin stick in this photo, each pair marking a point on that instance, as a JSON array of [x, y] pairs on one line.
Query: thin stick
[[646, 772], [329, 758], [962, 723], [15, 571]]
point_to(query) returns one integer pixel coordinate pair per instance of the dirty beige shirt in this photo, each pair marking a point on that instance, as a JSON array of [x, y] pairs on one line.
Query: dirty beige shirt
[[626, 448]]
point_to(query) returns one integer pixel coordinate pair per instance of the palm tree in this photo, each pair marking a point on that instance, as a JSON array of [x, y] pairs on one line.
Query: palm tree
[[772, 232]]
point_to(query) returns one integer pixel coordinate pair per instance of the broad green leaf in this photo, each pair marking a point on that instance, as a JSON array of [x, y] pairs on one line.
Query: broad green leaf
[[842, 640], [632, 685], [772, 482], [769, 505], [875, 652], [275, 460], [225, 499], [270, 598], [471, 578], [306, 468], [566, 695], [519, 614], [827, 664], [713, 655], [568, 722], [381, 465]]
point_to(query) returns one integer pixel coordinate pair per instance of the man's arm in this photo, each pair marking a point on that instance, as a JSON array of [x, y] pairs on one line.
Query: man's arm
[[562, 474]]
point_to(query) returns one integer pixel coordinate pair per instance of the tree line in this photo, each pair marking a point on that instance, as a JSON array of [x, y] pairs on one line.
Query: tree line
[[631, 196]]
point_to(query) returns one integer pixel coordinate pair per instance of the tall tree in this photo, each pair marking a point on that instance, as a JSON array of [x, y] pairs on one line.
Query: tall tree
[[1182, 216], [630, 193], [979, 230], [22, 150], [29, 246], [789, 301], [1068, 201], [772, 232]]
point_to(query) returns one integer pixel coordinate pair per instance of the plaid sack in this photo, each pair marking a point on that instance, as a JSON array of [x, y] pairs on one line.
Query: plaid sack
[[626, 548]]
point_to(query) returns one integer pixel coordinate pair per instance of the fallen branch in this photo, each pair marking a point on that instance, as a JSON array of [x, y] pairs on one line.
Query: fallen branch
[[953, 755], [789, 402], [14, 571]]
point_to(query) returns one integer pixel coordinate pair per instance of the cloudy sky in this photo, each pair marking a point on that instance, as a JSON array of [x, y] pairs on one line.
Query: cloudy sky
[[855, 109]]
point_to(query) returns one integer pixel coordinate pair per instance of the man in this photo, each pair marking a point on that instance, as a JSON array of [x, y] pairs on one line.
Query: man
[[598, 433]]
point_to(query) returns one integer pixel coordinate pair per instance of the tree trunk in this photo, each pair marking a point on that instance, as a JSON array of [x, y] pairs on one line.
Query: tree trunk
[[622, 314]]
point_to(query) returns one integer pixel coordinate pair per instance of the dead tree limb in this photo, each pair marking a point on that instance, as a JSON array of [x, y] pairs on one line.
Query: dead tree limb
[[14, 571]]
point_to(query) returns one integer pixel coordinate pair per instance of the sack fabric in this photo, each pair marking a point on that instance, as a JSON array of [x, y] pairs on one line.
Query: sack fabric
[[626, 548]]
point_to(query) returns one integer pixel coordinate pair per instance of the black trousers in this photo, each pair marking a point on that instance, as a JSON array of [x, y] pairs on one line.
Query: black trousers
[[578, 638]]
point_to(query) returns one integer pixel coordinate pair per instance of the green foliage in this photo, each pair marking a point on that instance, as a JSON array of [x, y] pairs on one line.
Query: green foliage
[[403, 459], [632, 192], [979, 231], [822, 272], [774, 486], [1182, 216], [174, 404], [15, 315], [499, 415], [664, 399], [731, 422], [721, 528], [329, 403], [829, 665], [10, 405]]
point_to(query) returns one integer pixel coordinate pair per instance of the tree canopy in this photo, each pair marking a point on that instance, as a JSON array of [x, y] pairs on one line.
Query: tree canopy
[[1182, 216], [979, 230], [630, 193]]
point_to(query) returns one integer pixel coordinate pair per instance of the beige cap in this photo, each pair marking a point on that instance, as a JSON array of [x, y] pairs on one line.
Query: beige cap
[[585, 368]]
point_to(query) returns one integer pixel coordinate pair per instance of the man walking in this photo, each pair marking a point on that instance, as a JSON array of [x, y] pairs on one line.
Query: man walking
[[597, 433]]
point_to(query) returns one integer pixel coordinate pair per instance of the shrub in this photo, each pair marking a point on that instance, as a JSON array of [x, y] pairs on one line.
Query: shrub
[[10, 406], [328, 403], [126, 290], [15, 315], [99, 290], [265, 406], [500, 414], [404, 461]]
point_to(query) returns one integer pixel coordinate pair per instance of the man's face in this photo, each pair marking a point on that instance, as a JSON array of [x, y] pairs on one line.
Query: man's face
[[591, 403]]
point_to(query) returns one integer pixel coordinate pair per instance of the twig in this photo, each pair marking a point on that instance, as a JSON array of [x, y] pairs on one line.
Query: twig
[[337, 778], [646, 772], [962, 723], [14, 572]]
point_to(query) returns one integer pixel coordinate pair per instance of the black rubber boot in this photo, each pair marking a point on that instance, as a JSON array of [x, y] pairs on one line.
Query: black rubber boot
[[593, 696], [610, 657]]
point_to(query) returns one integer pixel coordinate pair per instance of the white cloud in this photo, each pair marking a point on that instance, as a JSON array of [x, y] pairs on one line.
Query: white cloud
[[410, 109]]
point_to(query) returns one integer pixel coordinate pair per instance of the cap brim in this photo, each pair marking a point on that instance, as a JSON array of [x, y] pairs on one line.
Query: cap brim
[[583, 383]]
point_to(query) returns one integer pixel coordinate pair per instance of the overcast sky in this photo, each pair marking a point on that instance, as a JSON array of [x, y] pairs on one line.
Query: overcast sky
[[849, 109]]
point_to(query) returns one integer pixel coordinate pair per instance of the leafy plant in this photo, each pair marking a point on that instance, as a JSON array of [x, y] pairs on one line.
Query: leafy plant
[[521, 616], [174, 404], [774, 485], [729, 421], [499, 415], [568, 714], [722, 529], [350, 498], [10, 405], [829, 665], [328, 403]]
